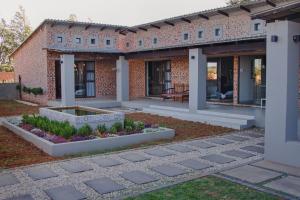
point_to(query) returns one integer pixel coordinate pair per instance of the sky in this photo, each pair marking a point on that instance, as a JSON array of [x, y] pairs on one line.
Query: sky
[[122, 12]]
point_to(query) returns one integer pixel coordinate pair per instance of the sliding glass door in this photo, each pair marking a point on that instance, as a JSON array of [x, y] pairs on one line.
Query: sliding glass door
[[84, 74], [259, 79]]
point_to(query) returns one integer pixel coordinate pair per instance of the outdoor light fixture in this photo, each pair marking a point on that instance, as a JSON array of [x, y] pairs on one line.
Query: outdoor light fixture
[[274, 38], [296, 38], [192, 57]]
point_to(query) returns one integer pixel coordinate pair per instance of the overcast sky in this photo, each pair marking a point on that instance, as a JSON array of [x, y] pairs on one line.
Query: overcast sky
[[123, 12]]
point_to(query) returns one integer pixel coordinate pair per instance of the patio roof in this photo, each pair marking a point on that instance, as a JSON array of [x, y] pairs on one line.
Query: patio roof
[[290, 11]]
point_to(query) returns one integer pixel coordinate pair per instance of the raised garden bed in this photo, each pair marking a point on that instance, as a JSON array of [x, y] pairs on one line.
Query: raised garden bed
[[68, 140]]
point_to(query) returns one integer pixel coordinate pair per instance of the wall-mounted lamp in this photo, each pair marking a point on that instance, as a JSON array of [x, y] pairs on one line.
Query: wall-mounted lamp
[[61, 62], [296, 38], [193, 57], [274, 38]]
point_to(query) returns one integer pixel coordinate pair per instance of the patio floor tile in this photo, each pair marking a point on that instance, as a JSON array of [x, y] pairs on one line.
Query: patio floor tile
[[238, 154], [106, 162], [194, 164], [253, 135], [261, 144], [65, 193], [22, 197], [236, 138], [289, 185], [8, 179], [251, 174], [168, 170], [278, 167], [40, 173], [159, 152], [254, 149], [218, 159], [201, 144], [219, 141], [138, 177], [75, 166], [104, 185], [180, 148], [134, 157]]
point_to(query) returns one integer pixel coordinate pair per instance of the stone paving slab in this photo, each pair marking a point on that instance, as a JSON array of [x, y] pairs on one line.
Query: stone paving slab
[[238, 154], [261, 144], [65, 193], [138, 177], [215, 158], [22, 197], [106, 162], [168, 170], [220, 141], [236, 138], [255, 149], [180, 148], [201, 144], [104, 185], [251, 174], [39, 173], [75, 167], [8, 179], [194, 164], [289, 185], [158, 152], [278, 167], [134, 157], [253, 135]]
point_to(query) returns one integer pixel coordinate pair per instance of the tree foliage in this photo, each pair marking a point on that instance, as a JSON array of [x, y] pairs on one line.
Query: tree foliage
[[237, 2], [12, 34], [72, 18]]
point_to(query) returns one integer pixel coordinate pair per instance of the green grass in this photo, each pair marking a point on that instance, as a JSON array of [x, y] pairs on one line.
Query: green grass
[[208, 188]]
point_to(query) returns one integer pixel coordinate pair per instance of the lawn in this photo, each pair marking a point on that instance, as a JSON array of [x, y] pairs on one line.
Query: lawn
[[208, 188], [11, 108]]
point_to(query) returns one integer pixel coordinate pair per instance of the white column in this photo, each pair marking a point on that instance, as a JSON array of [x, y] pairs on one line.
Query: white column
[[122, 79], [282, 142], [67, 80], [197, 79]]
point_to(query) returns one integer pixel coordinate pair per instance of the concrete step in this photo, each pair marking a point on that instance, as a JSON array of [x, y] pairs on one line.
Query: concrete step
[[214, 118]]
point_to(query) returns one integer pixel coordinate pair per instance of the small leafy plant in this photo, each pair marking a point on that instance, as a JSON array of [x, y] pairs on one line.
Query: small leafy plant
[[85, 130], [101, 128]]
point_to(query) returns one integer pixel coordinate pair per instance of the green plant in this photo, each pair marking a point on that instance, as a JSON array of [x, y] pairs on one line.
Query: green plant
[[102, 128], [113, 130], [85, 130], [37, 91], [18, 87], [129, 122], [118, 126], [128, 129], [139, 125]]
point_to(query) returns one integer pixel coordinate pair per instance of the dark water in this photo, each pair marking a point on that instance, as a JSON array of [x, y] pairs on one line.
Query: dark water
[[79, 111]]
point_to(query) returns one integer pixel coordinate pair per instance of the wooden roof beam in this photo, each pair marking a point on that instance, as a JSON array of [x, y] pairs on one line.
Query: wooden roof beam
[[154, 26], [186, 20], [245, 8], [271, 3], [52, 25], [203, 16], [221, 12], [87, 27], [71, 25], [131, 31], [143, 29], [169, 23], [102, 28], [117, 29]]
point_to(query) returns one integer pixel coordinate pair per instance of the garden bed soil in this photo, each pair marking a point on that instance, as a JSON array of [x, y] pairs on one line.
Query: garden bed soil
[[13, 108]]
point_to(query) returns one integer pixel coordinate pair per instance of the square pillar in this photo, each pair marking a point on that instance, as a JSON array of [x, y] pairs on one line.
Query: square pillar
[[282, 142], [236, 73], [197, 79], [122, 79], [67, 80]]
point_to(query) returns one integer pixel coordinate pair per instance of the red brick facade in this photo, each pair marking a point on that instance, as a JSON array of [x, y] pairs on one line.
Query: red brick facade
[[137, 78]]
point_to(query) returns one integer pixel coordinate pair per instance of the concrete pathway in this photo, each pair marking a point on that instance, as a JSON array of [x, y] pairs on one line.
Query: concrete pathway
[[127, 173]]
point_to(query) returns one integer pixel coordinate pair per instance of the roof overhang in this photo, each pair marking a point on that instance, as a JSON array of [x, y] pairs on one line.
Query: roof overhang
[[290, 11]]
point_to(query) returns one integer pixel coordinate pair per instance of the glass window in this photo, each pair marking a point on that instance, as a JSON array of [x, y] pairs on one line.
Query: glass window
[[140, 43], [78, 40], [256, 26], [108, 42], [127, 44], [217, 32], [200, 34], [186, 36], [154, 40], [93, 41], [59, 39]]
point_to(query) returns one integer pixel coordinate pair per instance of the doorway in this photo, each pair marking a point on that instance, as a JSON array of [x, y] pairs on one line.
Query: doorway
[[158, 77]]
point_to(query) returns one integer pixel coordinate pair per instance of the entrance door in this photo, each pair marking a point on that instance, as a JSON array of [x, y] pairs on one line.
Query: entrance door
[[259, 79], [159, 77]]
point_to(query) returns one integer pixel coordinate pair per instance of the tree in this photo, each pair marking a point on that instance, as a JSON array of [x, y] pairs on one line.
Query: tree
[[11, 36], [72, 18], [237, 2]]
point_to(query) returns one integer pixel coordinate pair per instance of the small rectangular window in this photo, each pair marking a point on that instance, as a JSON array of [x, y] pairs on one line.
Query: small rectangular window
[[108, 42], [59, 39], [256, 26], [217, 32], [200, 34], [78, 40], [127, 44], [186, 36], [140, 43], [93, 41], [154, 40]]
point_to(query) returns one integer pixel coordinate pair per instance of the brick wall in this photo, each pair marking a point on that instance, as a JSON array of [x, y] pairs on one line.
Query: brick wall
[[180, 70], [137, 75], [235, 79]]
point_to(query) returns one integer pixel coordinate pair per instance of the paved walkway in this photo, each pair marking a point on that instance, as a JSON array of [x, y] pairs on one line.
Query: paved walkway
[[117, 175]]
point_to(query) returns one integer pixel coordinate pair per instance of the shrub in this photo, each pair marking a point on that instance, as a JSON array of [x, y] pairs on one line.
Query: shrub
[[85, 130], [128, 129], [139, 125], [118, 126], [101, 128], [113, 130], [37, 91], [129, 122]]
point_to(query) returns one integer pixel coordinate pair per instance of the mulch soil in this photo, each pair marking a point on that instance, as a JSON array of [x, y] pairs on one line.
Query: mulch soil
[[11, 108]]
